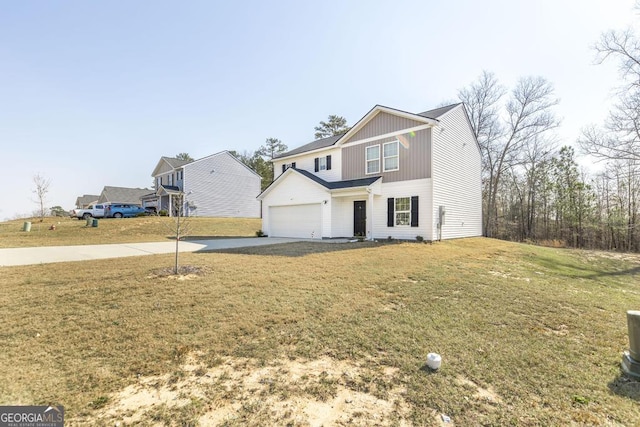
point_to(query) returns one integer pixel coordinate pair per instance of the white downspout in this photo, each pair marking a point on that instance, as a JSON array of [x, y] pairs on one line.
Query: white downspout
[[370, 215]]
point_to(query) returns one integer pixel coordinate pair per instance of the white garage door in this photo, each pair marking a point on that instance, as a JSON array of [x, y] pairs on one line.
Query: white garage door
[[302, 221]]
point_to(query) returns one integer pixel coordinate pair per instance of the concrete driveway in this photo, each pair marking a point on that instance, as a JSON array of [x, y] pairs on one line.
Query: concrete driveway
[[49, 254]]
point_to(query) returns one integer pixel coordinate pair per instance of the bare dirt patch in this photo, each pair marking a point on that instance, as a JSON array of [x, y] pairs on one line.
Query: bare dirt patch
[[240, 391], [185, 272]]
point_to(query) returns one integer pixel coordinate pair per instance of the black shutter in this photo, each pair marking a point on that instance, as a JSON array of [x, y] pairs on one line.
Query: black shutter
[[316, 162], [329, 162], [293, 165], [390, 212], [414, 211], [284, 167]]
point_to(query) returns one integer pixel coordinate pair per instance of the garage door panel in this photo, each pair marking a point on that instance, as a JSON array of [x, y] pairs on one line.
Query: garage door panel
[[300, 221]]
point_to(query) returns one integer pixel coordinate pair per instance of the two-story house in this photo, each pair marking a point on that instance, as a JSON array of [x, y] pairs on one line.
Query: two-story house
[[394, 174], [218, 185]]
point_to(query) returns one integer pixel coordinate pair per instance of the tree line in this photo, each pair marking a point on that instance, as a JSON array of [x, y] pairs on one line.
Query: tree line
[[533, 188]]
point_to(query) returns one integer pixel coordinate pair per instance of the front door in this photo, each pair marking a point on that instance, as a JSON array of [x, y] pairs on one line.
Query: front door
[[360, 218]]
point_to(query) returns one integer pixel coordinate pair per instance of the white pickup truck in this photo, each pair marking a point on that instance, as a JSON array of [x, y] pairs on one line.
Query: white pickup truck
[[95, 211]]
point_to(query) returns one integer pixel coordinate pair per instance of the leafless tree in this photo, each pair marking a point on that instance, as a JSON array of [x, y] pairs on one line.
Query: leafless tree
[[179, 223], [619, 139], [41, 190], [504, 128]]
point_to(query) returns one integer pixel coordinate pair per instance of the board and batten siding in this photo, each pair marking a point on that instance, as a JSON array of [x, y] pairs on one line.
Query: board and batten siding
[[419, 187], [383, 123], [221, 186], [307, 162], [457, 176], [414, 162], [296, 189]]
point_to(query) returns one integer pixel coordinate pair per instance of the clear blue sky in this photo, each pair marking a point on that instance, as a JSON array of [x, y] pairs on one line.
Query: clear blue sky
[[93, 93]]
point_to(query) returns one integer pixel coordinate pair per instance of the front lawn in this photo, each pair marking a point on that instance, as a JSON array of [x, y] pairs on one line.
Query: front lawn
[[70, 231], [316, 333]]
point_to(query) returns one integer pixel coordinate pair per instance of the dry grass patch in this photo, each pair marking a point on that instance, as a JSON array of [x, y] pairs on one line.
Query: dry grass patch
[[542, 351]]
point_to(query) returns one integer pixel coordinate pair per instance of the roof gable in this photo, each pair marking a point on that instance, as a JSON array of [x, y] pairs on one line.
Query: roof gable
[[327, 185], [168, 164], [223, 154], [398, 119]]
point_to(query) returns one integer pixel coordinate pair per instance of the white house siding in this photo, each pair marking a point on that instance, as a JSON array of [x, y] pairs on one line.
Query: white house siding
[[221, 186], [342, 215], [306, 162], [294, 190], [456, 172], [419, 187]]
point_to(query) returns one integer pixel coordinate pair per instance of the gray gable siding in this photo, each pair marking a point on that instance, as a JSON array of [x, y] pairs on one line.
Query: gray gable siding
[[415, 162], [221, 186], [382, 123]]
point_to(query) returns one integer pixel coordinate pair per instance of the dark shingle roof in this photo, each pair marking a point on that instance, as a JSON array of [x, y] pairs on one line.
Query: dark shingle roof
[[122, 194], [327, 142], [362, 182], [437, 112], [314, 145], [176, 163]]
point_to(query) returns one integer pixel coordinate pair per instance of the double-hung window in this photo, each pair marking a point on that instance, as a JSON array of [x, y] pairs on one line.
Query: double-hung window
[[403, 211], [373, 159], [322, 163], [390, 156]]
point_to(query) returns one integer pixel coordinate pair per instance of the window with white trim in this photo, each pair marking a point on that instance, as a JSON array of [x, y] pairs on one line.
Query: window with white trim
[[403, 210], [372, 158], [390, 156], [322, 163], [170, 179]]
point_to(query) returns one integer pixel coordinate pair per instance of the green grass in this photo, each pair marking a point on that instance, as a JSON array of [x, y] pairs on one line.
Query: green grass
[[543, 329], [70, 231]]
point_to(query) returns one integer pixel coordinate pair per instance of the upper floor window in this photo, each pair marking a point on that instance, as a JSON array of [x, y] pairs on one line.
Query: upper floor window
[[372, 157], [286, 166], [322, 163], [390, 154], [170, 179]]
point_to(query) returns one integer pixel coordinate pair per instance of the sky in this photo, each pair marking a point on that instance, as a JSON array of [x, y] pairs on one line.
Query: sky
[[94, 93]]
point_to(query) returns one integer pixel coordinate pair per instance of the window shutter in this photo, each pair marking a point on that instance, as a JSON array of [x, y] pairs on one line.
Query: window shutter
[[390, 212], [414, 211], [284, 167], [329, 162], [293, 165], [316, 163]]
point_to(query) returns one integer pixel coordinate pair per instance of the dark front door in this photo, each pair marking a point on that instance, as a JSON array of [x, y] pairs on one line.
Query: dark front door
[[360, 218]]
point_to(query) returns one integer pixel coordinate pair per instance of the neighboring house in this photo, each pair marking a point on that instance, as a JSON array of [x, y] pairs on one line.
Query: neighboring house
[[84, 201], [394, 174], [122, 195], [218, 185]]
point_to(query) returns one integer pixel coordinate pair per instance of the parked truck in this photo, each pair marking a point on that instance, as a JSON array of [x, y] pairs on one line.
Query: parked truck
[[95, 211]]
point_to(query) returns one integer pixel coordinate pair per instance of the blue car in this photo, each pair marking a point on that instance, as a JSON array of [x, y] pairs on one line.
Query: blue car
[[123, 210]]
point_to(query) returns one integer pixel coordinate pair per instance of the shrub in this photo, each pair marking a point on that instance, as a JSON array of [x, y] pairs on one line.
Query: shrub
[[260, 233], [163, 212], [420, 238]]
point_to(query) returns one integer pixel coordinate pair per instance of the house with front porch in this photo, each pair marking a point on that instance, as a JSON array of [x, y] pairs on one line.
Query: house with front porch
[[393, 174], [218, 185]]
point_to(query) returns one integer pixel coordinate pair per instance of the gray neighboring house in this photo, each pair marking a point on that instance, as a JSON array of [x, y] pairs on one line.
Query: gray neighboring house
[[85, 200], [122, 195], [218, 185]]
